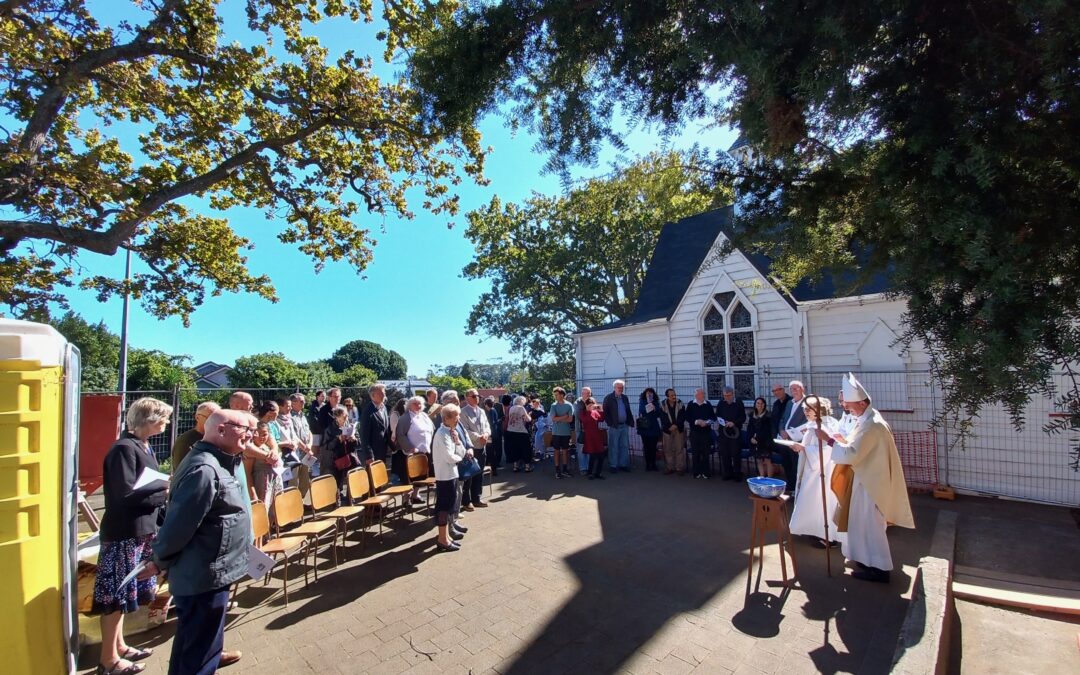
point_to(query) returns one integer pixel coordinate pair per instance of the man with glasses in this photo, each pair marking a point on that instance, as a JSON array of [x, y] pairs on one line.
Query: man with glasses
[[478, 428], [203, 543]]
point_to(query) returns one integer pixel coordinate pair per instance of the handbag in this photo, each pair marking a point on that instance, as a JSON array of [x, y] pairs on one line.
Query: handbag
[[467, 468], [345, 462]]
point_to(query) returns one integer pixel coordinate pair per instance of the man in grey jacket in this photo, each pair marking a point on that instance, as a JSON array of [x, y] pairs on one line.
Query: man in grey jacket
[[203, 543]]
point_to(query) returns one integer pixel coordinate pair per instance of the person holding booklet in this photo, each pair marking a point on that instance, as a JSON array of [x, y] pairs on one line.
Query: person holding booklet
[[808, 518], [128, 527]]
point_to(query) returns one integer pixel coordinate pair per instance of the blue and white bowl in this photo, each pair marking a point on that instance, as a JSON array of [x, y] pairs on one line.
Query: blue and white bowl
[[769, 488]]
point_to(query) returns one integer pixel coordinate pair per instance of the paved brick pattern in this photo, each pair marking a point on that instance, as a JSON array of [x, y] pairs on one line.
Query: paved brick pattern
[[640, 573]]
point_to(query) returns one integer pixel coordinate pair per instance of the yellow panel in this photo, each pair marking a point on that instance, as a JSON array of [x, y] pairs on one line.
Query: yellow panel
[[32, 623]]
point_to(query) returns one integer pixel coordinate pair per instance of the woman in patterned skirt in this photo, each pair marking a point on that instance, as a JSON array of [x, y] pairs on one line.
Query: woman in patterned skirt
[[127, 529]]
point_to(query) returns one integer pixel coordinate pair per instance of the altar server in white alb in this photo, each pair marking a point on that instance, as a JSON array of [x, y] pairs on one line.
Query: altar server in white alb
[[869, 483], [815, 458]]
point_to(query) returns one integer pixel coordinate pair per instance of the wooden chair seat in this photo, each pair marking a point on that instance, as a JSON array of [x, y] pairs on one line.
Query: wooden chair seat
[[342, 512], [311, 528], [377, 500], [285, 546], [395, 490], [289, 513]]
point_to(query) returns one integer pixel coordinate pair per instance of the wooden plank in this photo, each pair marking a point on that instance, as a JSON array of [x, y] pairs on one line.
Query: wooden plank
[[969, 572], [995, 596], [1017, 590]]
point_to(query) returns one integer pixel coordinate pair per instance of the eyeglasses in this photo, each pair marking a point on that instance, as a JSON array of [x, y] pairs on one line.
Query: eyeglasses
[[241, 426]]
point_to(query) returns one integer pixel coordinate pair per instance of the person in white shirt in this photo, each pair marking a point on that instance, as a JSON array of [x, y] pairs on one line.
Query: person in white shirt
[[447, 449], [808, 517], [413, 435]]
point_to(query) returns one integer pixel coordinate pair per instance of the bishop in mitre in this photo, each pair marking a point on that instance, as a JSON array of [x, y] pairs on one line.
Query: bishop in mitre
[[869, 483]]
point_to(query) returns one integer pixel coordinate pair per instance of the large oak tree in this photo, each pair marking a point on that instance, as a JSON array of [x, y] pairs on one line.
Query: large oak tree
[[110, 133], [937, 141]]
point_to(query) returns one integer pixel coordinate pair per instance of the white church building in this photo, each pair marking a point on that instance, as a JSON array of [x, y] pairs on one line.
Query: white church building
[[702, 321]]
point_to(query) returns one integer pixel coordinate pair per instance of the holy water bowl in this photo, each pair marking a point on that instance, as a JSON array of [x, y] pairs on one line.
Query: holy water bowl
[[769, 488]]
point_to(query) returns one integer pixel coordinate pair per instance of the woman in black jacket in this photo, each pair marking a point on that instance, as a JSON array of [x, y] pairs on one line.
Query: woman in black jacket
[[761, 434], [127, 530]]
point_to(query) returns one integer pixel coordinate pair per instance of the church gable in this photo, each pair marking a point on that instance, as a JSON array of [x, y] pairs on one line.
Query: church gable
[[730, 322]]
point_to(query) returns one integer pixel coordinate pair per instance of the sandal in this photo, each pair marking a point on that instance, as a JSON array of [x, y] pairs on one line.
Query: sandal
[[132, 669], [136, 654]]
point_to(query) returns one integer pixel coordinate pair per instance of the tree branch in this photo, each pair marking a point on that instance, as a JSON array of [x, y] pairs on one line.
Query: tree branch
[[53, 97], [108, 241]]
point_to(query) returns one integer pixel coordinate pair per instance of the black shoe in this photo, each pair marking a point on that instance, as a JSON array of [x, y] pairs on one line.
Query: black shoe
[[558, 474], [460, 528], [818, 543], [455, 535], [439, 548], [872, 574]]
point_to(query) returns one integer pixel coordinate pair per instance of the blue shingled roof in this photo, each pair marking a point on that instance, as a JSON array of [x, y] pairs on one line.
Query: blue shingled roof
[[680, 251]]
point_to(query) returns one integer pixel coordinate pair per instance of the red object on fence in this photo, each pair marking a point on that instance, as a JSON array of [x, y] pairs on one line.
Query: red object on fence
[[918, 457], [99, 427]]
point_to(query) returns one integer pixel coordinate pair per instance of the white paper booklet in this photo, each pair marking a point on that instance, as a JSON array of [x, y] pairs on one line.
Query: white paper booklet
[[151, 479], [258, 563]]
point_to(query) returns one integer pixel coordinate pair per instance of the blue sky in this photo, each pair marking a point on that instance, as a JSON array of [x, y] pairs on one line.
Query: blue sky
[[413, 299]]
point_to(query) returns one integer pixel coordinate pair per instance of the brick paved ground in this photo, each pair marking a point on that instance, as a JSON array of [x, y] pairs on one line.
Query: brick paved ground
[[640, 573]]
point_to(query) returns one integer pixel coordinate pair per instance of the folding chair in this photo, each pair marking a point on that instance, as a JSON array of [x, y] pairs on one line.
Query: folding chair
[[380, 482], [418, 476], [289, 511], [286, 548], [324, 496], [360, 489]]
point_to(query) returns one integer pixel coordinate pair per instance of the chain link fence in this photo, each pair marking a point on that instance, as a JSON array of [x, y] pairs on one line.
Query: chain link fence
[[989, 457]]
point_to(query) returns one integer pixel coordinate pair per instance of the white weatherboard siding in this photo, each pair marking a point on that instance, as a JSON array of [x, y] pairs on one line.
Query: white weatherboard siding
[[775, 318], [640, 348]]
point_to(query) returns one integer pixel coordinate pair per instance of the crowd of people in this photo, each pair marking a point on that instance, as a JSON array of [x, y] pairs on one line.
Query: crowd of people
[[198, 526]]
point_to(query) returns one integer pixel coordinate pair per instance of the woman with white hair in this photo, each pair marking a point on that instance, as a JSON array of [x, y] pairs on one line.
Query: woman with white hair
[[807, 518], [413, 434], [127, 530], [447, 449], [518, 449]]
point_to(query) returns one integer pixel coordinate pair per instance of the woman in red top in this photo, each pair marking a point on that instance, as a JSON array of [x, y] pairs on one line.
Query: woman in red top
[[591, 417]]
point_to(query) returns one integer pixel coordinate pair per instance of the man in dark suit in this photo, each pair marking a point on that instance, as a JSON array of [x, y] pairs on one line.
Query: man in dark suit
[[733, 413], [619, 419], [374, 427], [781, 410], [795, 418]]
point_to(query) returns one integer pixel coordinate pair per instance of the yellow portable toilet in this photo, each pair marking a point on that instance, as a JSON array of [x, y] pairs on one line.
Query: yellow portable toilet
[[39, 407]]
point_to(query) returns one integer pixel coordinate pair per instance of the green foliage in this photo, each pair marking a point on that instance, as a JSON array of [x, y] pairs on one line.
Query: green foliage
[[357, 376], [936, 142], [265, 371], [485, 375], [558, 265], [541, 378], [98, 347], [387, 364], [111, 133], [457, 383], [318, 375], [154, 370]]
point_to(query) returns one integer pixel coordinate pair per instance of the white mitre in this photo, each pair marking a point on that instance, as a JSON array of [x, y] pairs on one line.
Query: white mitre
[[853, 390]]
